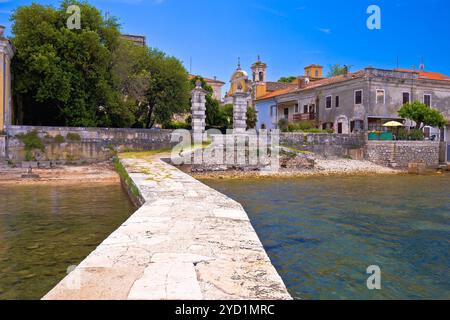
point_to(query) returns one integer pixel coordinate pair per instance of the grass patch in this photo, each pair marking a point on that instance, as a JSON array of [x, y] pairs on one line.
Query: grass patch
[[144, 154], [126, 178]]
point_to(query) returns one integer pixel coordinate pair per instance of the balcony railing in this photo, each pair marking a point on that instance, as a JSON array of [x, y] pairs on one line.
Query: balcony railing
[[304, 117]]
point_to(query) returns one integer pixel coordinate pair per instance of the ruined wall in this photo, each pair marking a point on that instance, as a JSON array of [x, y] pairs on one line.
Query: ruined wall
[[325, 144], [94, 144], [400, 153]]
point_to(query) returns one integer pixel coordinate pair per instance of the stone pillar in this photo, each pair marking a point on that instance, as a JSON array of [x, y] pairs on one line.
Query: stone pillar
[[198, 110], [240, 111], [6, 54]]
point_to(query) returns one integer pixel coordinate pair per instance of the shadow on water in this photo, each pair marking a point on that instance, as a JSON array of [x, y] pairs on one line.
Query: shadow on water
[[46, 229], [323, 233]]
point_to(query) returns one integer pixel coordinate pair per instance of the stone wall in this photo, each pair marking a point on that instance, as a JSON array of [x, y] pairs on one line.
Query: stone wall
[[94, 144], [326, 144], [400, 153]]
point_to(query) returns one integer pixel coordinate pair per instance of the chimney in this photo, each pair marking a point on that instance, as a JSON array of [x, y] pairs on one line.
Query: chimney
[[302, 82], [2, 31]]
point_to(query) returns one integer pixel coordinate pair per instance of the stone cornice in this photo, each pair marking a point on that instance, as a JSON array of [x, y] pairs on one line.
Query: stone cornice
[[7, 48]]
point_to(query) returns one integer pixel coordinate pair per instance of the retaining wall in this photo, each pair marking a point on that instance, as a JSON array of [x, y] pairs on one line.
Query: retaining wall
[[95, 144], [401, 153], [326, 144]]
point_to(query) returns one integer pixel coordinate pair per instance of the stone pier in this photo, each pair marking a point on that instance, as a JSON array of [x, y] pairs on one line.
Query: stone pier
[[187, 241], [240, 111]]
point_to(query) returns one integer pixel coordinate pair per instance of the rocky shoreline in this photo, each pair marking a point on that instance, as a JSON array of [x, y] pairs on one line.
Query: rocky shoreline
[[322, 167], [92, 173]]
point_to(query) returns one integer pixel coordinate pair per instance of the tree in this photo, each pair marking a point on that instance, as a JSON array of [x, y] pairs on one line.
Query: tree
[[168, 91], [251, 117], [90, 77], [422, 115], [287, 79], [337, 70], [61, 75]]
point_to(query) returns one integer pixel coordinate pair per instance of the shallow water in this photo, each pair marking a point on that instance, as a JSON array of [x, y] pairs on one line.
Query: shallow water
[[322, 233], [46, 229]]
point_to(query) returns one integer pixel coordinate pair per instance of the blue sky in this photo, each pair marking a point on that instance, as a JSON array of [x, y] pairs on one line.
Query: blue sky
[[288, 34]]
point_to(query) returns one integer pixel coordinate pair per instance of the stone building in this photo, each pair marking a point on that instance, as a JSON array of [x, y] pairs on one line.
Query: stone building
[[358, 101], [6, 54]]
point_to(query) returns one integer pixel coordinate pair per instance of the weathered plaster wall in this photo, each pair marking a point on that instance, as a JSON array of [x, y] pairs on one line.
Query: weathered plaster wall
[[95, 144], [400, 153], [2, 147], [327, 144]]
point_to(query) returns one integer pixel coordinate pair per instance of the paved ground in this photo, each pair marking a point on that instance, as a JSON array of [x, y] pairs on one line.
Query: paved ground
[[187, 241]]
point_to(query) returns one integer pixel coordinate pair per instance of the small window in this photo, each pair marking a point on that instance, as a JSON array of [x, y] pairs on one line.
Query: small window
[[337, 102], [358, 96], [317, 73], [296, 108], [328, 102], [427, 99], [305, 109], [380, 96], [406, 98]]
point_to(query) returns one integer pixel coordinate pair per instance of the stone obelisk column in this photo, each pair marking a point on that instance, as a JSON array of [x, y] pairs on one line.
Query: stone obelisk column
[[198, 110], [240, 111]]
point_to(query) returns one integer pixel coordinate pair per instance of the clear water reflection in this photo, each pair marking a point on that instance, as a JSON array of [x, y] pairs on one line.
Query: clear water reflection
[[45, 229], [322, 233]]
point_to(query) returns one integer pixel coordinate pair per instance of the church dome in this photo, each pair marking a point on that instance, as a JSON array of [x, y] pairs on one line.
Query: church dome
[[239, 74]]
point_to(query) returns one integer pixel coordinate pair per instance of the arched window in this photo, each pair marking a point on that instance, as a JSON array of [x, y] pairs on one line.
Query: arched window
[[261, 76]]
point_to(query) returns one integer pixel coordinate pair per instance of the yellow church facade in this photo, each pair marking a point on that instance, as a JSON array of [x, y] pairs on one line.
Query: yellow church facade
[[6, 54]]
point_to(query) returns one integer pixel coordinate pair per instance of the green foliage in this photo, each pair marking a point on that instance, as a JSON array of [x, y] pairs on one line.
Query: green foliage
[[90, 77], [337, 69], [287, 79], [402, 134], [300, 126], [59, 139], [416, 135], [125, 177], [75, 137], [178, 125], [251, 118], [283, 125], [32, 141], [422, 115]]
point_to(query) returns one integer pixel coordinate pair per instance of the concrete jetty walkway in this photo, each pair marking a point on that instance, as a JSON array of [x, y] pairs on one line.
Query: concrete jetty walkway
[[187, 241]]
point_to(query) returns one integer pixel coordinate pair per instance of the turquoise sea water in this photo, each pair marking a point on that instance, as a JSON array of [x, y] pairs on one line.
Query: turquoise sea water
[[322, 233], [46, 229]]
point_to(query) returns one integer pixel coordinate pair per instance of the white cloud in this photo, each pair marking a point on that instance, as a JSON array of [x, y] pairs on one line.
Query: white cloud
[[325, 30], [268, 10]]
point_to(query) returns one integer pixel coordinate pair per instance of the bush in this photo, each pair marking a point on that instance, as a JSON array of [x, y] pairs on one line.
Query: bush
[[32, 141], [178, 125], [283, 125], [73, 136], [59, 139], [416, 135], [302, 126], [402, 134]]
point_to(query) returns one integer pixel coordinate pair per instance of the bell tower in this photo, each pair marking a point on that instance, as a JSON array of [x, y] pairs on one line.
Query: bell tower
[[6, 54], [259, 70]]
